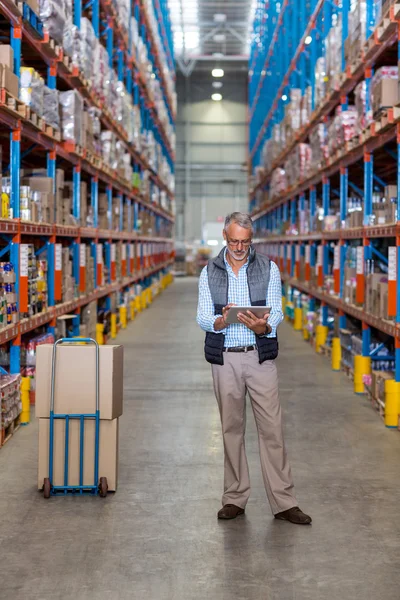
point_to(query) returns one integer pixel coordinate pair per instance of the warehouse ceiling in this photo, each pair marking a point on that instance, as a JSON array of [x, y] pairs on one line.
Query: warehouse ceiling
[[209, 30]]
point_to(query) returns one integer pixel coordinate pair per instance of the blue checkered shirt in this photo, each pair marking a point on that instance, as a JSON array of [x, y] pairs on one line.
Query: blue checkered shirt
[[238, 293]]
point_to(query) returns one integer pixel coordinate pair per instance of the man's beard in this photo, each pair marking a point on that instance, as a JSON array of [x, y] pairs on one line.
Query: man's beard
[[238, 256]]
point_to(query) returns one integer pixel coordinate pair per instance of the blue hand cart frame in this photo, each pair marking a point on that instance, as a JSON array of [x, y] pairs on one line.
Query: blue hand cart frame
[[99, 485]]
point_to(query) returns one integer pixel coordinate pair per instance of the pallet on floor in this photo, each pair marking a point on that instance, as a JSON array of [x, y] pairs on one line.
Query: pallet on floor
[[10, 430]]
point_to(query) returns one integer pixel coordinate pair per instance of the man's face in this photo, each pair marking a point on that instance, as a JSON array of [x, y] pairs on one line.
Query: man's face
[[238, 241]]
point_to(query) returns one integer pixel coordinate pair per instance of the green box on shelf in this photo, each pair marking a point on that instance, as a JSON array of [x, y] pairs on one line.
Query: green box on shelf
[[136, 181]]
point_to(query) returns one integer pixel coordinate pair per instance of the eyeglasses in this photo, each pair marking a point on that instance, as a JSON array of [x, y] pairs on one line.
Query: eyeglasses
[[236, 243]]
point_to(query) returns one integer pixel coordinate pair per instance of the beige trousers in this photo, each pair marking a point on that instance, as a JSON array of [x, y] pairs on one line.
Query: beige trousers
[[243, 373]]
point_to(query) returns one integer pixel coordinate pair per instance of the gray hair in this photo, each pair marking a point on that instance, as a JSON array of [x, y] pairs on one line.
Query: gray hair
[[242, 219]]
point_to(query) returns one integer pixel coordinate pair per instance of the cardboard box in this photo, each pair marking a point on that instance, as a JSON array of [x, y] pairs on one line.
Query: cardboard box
[[9, 81], [34, 5], [75, 380], [108, 455], [7, 56], [385, 94]]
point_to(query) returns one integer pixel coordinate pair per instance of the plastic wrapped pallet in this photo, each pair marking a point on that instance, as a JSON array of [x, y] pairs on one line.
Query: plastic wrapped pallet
[[319, 146], [32, 89], [53, 15], [71, 104], [298, 165], [51, 107], [333, 45], [88, 46], [278, 183], [364, 117], [320, 80]]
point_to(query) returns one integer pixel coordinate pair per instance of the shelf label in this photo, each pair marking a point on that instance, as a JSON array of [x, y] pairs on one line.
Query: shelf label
[[392, 285], [308, 254], [360, 260], [123, 252], [99, 254], [23, 277], [58, 272], [336, 269], [131, 258]]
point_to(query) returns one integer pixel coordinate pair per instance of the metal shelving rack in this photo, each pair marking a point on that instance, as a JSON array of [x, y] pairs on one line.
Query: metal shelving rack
[[280, 60], [142, 256]]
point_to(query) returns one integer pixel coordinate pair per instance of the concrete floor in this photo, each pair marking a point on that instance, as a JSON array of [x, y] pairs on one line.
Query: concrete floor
[[158, 537]]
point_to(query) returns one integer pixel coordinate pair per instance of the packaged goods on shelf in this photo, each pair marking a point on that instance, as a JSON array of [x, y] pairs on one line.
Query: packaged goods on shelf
[[87, 49], [9, 81], [41, 202], [293, 110], [333, 45], [342, 128], [376, 295], [306, 106], [279, 183], [321, 80], [297, 166], [319, 146], [8, 296], [364, 117], [89, 320], [7, 56], [28, 358], [384, 89], [357, 23], [32, 89], [71, 105], [68, 281], [37, 282], [52, 14], [51, 107], [11, 406]]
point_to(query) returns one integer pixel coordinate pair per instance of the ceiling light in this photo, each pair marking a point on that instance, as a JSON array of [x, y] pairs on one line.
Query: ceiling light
[[217, 72], [219, 38], [284, 97], [219, 18], [308, 40], [216, 97], [217, 85], [212, 242]]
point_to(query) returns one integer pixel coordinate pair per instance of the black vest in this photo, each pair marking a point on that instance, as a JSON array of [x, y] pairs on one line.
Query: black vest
[[258, 275]]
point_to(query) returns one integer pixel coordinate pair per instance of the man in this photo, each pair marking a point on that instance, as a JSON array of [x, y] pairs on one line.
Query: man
[[242, 358]]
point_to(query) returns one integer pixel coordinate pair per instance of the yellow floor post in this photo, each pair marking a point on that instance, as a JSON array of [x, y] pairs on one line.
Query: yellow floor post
[[362, 366], [132, 309], [100, 334], [113, 326], [298, 319], [306, 333], [392, 403], [336, 354], [321, 335], [284, 302], [25, 400], [123, 316], [149, 296], [138, 303]]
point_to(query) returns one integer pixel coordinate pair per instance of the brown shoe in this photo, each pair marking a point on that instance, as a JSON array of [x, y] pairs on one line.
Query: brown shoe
[[230, 511], [294, 515]]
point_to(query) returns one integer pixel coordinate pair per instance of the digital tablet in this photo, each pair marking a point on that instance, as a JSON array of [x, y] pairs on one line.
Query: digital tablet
[[259, 311]]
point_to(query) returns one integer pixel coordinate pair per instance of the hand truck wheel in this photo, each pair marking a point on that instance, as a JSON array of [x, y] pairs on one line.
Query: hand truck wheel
[[103, 487], [46, 488]]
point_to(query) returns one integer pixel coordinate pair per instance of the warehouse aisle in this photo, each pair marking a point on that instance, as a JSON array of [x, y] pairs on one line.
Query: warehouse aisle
[[158, 538]]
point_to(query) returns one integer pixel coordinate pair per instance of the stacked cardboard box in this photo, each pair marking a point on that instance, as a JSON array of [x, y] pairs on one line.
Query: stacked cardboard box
[[89, 320], [384, 89], [37, 182], [11, 407], [90, 268], [376, 295], [103, 211], [349, 285], [68, 281], [76, 395], [8, 80]]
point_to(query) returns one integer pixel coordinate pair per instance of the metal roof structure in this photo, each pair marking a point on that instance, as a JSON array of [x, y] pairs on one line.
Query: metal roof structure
[[211, 30]]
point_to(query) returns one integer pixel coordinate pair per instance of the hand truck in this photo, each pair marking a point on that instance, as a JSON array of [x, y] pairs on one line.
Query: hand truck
[[99, 486]]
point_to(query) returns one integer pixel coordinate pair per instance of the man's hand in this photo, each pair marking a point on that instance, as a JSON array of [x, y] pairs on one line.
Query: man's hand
[[221, 323], [259, 326]]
